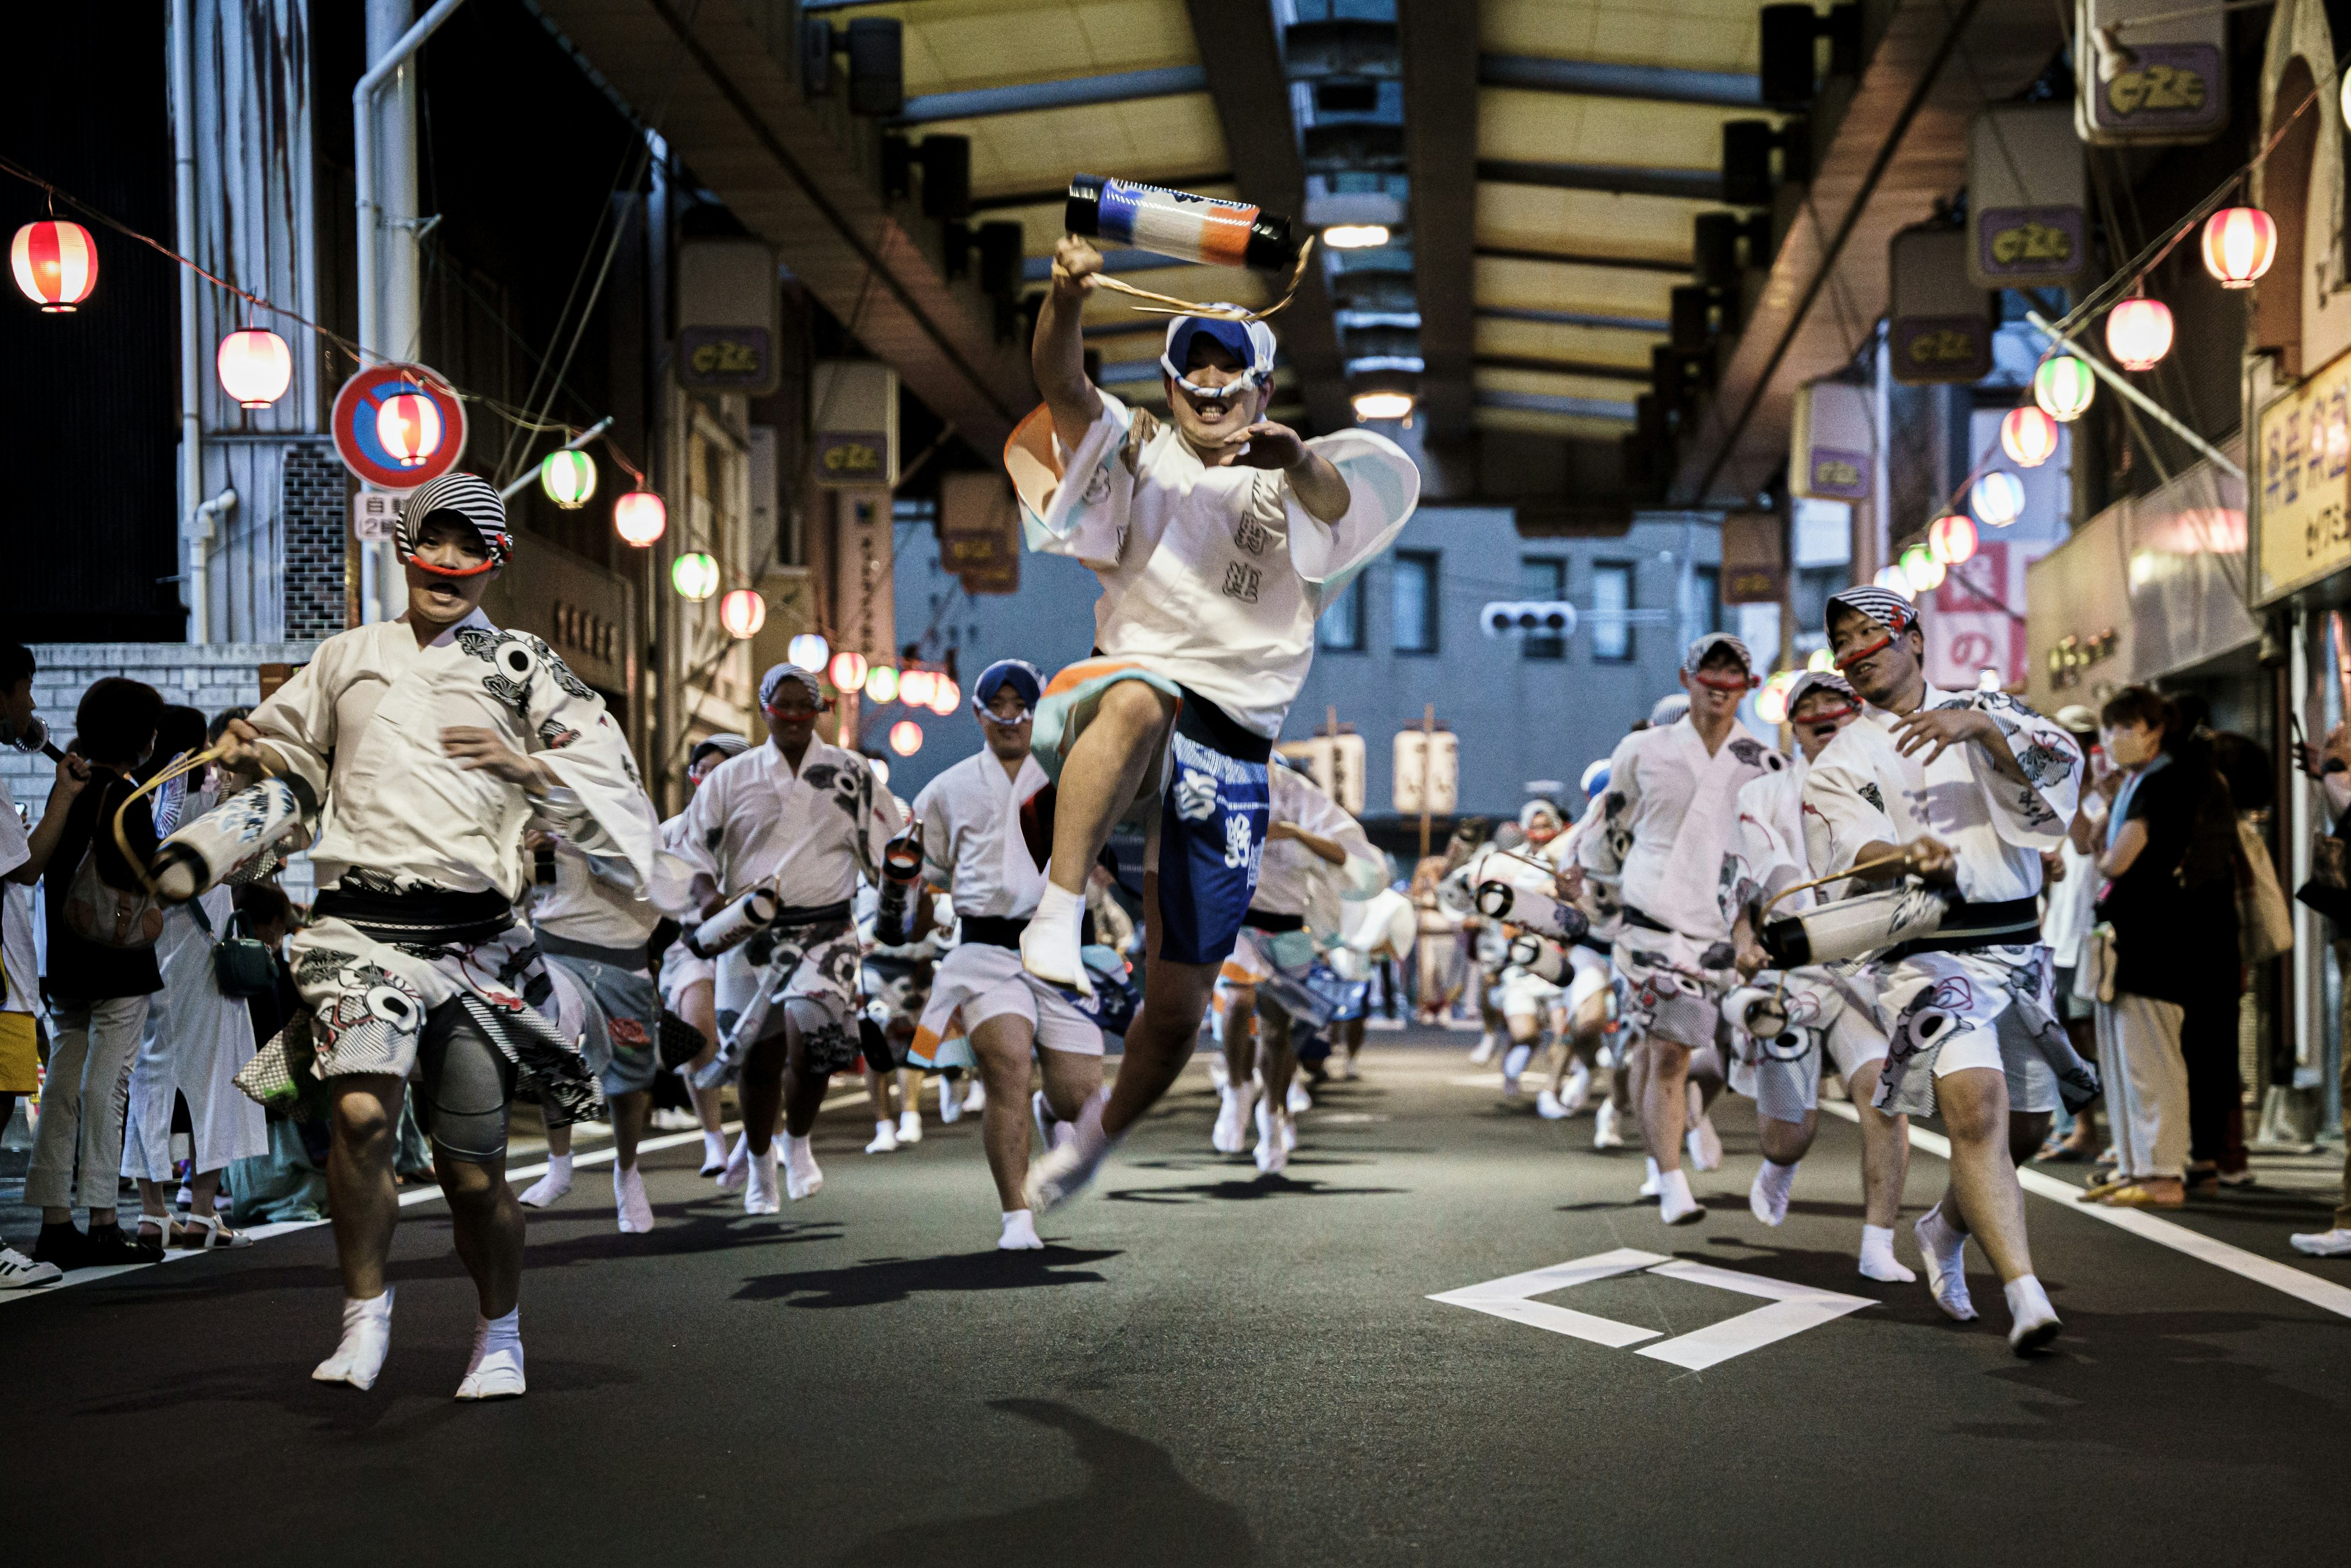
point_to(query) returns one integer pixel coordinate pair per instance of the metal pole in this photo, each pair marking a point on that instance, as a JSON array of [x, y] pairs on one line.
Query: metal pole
[[574, 445], [2153, 410], [1427, 769], [388, 314], [196, 525]]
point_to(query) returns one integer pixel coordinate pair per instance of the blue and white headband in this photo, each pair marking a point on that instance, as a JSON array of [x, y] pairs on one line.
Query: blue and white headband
[[1251, 342]]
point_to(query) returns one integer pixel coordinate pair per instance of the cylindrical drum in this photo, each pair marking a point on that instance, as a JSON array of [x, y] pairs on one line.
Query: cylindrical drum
[[1538, 912], [1758, 1010], [1854, 927], [1546, 960], [735, 924], [1204, 229], [233, 836]]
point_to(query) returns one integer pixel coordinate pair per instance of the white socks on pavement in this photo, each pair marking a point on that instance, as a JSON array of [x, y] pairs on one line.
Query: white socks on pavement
[[1604, 1135], [1276, 1135], [759, 1193], [714, 1153], [1768, 1199], [1048, 946], [1514, 1062], [1483, 1052], [1945, 1250], [977, 1099], [1649, 1182], [1065, 1170], [910, 1126], [1877, 1259], [1019, 1233], [629, 1196], [548, 1188], [738, 1166], [885, 1137], [367, 1337], [802, 1178], [2032, 1321], [1230, 1135], [1675, 1204], [1704, 1143], [496, 1371], [1548, 1106], [1577, 1090]]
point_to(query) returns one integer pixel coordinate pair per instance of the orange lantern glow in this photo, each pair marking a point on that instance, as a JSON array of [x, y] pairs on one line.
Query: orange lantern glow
[[409, 425], [2029, 437], [255, 367], [1951, 539], [56, 264], [640, 517], [946, 697], [2139, 333], [2240, 243], [906, 737], [743, 612], [915, 687]]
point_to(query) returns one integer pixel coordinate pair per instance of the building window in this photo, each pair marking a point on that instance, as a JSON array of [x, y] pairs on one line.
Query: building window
[[1341, 628], [1702, 610], [1542, 577], [1611, 605], [1813, 586], [1416, 602]]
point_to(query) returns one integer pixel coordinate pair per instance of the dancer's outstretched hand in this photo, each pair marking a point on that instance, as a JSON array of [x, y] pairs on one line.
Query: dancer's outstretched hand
[[1269, 445]]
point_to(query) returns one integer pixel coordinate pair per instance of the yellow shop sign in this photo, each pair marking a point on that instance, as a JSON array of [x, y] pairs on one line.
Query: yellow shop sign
[[2301, 481]]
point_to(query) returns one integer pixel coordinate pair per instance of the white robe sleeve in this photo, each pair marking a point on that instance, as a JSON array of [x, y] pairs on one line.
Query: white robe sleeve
[[938, 836], [1844, 810], [879, 821], [2035, 814], [1754, 863], [1092, 506], [1382, 487], [298, 722], [606, 815], [1601, 851]]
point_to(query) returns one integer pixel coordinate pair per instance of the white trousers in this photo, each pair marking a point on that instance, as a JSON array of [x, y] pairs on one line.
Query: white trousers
[[2146, 1085], [83, 1102]]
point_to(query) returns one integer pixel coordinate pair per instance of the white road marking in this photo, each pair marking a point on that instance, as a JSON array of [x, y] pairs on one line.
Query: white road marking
[[1792, 1308], [2284, 1278]]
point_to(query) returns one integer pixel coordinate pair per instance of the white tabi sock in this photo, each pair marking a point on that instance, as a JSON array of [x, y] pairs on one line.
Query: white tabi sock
[[1049, 947], [496, 1370], [550, 1186], [1675, 1204], [2032, 1321], [1768, 1199], [1649, 1183], [367, 1337], [1877, 1259], [1945, 1250], [1019, 1232], [714, 1150]]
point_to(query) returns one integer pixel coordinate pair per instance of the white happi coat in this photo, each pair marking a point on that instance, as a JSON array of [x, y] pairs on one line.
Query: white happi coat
[[1294, 879], [361, 726], [1213, 577], [1667, 818], [972, 842], [1861, 790]]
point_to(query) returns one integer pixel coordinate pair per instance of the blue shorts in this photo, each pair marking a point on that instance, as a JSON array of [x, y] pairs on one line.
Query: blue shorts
[[1213, 814]]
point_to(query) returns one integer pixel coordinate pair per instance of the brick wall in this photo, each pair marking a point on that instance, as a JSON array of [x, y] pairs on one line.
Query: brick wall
[[224, 675], [316, 498]]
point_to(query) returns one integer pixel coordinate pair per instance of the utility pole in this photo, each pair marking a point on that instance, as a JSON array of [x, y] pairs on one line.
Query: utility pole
[[1428, 765]]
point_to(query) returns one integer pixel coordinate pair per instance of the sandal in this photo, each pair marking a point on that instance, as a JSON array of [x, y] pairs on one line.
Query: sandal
[[163, 1223], [216, 1234], [2133, 1195], [2097, 1190], [2059, 1152]]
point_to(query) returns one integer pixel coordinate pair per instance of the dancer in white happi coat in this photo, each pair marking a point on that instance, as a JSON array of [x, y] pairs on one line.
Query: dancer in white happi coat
[[1828, 1006], [1592, 1000], [802, 818], [1218, 535], [689, 981], [593, 922], [1670, 809], [427, 746], [196, 1043], [975, 848], [1315, 854], [1965, 790]]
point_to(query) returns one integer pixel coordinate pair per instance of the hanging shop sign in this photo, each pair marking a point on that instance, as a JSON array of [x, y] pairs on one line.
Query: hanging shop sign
[[1754, 558], [2301, 482], [2156, 71], [399, 426], [1942, 322], [1833, 442], [979, 531], [853, 422], [2027, 198], [727, 306]]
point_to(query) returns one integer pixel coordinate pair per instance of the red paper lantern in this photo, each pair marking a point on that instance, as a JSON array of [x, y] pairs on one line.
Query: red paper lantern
[[639, 518], [1951, 539], [847, 671], [743, 612], [409, 425], [2029, 436], [2139, 333], [255, 367], [56, 264], [2240, 243], [906, 737]]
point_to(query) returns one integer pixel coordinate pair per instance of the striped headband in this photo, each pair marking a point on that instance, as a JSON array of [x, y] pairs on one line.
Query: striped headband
[[1883, 605], [1705, 645], [474, 501], [1820, 681]]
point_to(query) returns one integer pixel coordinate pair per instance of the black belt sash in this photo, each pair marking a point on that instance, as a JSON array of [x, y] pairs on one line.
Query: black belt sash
[[813, 914], [1258, 920], [2012, 922], [425, 918], [994, 930], [629, 958]]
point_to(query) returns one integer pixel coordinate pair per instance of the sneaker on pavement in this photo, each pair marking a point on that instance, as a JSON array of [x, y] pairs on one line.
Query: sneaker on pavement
[[2334, 1243], [19, 1272]]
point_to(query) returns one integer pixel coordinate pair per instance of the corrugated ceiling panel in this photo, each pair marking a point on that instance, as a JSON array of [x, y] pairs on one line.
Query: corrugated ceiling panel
[[956, 45], [1160, 140], [1593, 345], [1592, 290], [1598, 389], [1559, 128], [1694, 34], [1540, 218]]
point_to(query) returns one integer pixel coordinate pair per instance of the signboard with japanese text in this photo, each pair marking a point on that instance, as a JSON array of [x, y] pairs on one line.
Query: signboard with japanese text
[[1974, 620], [2301, 482], [2028, 197], [2155, 71]]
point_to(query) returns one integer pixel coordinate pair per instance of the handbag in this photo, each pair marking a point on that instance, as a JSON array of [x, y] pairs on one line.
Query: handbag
[[2264, 919], [2093, 972], [243, 965], [107, 916], [2328, 890]]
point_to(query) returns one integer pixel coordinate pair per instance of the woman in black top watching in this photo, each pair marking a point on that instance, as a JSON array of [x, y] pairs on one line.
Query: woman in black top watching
[[2169, 860], [98, 991]]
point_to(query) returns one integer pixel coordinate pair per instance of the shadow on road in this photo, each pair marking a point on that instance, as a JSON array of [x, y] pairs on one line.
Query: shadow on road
[[1136, 1507], [885, 1279], [1237, 1190]]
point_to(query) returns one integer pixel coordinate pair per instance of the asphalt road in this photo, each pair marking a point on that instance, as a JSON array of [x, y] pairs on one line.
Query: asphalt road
[[1206, 1367]]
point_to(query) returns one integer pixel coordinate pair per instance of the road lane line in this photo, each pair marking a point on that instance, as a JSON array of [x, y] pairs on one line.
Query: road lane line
[[2284, 1278]]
